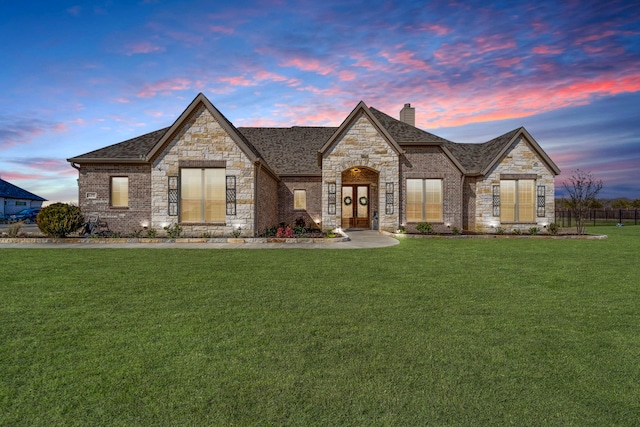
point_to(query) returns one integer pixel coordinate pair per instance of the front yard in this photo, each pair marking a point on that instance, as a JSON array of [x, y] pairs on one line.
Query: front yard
[[432, 331]]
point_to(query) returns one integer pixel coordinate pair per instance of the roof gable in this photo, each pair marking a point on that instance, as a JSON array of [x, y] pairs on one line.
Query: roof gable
[[10, 191], [360, 108]]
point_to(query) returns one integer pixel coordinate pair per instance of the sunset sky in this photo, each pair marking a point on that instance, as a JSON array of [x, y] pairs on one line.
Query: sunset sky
[[77, 76]]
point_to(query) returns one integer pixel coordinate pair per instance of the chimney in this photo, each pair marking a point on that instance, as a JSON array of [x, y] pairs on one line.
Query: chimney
[[408, 115]]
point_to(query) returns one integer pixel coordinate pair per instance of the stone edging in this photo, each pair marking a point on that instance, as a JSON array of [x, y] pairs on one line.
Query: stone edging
[[498, 236], [91, 240]]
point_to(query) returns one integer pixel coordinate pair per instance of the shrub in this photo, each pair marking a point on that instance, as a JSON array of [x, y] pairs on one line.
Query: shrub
[[152, 233], [285, 232], [500, 230], [456, 231], [14, 229], [553, 228], [60, 219], [173, 231], [517, 231], [424, 228]]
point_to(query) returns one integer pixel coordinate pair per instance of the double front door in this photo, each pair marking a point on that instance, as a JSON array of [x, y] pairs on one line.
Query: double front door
[[355, 206]]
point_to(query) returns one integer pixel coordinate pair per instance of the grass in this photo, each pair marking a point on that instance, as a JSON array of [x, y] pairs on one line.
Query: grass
[[429, 332]]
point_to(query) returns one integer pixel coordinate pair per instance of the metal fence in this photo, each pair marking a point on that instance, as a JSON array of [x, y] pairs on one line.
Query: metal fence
[[565, 218]]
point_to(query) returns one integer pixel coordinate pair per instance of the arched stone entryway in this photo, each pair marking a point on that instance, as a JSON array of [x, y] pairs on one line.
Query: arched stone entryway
[[360, 198]]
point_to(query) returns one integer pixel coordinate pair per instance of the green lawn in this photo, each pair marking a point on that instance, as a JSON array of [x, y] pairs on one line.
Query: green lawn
[[432, 331]]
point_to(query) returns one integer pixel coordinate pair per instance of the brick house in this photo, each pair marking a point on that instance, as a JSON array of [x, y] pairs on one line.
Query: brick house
[[372, 172]]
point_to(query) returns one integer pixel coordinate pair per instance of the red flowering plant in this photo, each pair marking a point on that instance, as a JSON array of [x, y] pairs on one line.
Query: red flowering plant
[[285, 232]]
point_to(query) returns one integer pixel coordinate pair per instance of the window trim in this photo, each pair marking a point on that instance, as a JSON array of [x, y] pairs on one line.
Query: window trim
[[304, 193], [111, 189], [423, 202]]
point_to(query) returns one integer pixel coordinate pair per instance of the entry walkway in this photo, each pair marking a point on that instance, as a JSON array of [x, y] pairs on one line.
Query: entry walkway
[[358, 239]]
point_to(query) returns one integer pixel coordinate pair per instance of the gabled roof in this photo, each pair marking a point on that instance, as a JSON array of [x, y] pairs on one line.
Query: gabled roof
[[10, 191], [290, 151], [298, 150], [361, 108], [479, 159], [403, 133]]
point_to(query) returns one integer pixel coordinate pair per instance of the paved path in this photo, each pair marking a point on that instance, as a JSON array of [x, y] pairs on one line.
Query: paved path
[[359, 239]]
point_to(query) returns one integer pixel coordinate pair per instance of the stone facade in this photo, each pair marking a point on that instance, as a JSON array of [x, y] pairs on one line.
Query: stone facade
[[433, 163], [362, 146], [94, 197], [520, 159], [202, 138]]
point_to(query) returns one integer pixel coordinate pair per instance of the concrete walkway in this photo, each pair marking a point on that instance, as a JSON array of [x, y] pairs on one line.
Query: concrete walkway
[[358, 239]]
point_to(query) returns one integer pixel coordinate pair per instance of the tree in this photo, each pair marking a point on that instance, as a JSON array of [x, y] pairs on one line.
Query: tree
[[636, 203], [582, 189], [621, 204]]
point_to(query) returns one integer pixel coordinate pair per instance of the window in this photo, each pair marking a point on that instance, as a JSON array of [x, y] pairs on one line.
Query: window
[[300, 199], [203, 195], [21, 203], [424, 200], [517, 200], [119, 191]]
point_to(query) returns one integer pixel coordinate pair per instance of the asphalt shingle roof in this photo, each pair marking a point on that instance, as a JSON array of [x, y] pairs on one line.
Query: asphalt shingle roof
[[10, 191], [293, 151], [290, 151]]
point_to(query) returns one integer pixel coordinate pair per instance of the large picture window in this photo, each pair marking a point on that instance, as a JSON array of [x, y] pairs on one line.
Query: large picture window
[[424, 200], [119, 191], [203, 195], [517, 200]]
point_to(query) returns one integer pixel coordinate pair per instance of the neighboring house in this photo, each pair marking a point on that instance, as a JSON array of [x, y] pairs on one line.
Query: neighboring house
[[13, 199], [372, 172]]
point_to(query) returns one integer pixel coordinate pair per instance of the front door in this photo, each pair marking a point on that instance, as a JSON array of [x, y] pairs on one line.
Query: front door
[[355, 206]]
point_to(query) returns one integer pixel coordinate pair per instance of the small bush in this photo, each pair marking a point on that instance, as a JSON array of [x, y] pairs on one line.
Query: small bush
[[424, 228], [173, 231], [402, 230], [152, 233], [236, 233], [500, 230], [206, 235], [286, 232], [60, 219], [14, 229], [533, 231], [553, 228], [517, 231], [330, 234], [456, 231]]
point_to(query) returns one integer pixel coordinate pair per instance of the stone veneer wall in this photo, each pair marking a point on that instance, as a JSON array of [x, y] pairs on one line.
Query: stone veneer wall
[[432, 163], [267, 201], [286, 212], [469, 203], [360, 145], [96, 179], [519, 159], [203, 138]]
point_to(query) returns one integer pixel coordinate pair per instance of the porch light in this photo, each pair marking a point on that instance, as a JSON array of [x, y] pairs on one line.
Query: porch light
[[144, 224], [355, 170]]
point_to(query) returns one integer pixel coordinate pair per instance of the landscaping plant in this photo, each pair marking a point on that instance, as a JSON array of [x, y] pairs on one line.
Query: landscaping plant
[[60, 219]]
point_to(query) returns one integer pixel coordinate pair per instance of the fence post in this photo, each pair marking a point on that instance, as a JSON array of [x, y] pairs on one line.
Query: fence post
[[620, 214], [635, 216]]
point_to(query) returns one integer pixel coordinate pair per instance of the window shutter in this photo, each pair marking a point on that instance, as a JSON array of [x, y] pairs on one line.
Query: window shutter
[[173, 196], [496, 200], [542, 200], [231, 195], [332, 199], [389, 198]]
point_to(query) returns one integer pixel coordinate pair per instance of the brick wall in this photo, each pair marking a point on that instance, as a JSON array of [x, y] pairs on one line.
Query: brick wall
[[432, 163], [286, 212], [267, 201], [94, 195]]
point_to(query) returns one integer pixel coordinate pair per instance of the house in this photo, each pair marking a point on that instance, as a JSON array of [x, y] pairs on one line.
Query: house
[[371, 172], [13, 199]]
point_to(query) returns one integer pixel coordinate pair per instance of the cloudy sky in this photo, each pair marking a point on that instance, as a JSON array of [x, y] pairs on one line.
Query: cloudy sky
[[77, 75]]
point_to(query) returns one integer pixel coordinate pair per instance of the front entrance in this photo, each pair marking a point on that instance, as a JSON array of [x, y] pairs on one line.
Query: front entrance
[[355, 206]]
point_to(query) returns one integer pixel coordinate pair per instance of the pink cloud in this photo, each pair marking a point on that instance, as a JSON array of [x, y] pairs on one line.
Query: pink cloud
[[141, 48], [508, 62], [164, 86], [237, 81], [406, 59], [492, 43], [221, 29], [547, 50], [307, 64]]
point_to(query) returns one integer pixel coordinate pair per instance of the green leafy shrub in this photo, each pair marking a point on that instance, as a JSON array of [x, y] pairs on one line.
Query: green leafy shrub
[[533, 231], [424, 228], [173, 231], [517, 231], [553, 228], [456, 231], [60, 219], [500, 230], [152, 233]]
